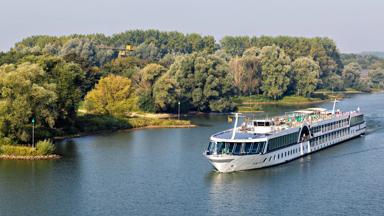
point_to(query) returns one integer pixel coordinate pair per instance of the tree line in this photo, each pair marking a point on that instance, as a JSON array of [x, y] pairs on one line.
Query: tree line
[[49, 77]]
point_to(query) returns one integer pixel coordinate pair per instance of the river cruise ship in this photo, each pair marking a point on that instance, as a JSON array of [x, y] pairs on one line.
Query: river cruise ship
[[268, 142]]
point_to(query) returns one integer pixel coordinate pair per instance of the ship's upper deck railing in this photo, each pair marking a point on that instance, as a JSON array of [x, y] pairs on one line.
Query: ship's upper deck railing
[[291, 120]]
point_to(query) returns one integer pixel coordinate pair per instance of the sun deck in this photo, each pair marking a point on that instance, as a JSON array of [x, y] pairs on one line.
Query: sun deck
[[254, 129], [238, 136]]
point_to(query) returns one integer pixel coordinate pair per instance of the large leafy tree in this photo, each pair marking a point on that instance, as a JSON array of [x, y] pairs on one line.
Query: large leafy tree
[[246, 71], [165, 94], [68, 79], [112, 95], [351, 74], [145, 80], [25, 93], [199, 80], [376, 77], [334, 82], [126, 67], [306, 75], [235, 46], [276, 66]]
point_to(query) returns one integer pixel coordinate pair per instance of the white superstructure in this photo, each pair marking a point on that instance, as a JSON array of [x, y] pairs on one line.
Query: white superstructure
[[262, 143]]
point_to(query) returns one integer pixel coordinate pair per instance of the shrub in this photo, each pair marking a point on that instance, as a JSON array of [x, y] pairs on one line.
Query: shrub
[[17, 150], [45, 147], [6, 141]]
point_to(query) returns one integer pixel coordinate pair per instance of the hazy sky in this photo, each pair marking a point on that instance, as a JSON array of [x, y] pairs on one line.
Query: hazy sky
[[354, 25]]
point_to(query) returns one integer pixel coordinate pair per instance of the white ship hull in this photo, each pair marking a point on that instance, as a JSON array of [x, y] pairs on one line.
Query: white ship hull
[[230, 163]]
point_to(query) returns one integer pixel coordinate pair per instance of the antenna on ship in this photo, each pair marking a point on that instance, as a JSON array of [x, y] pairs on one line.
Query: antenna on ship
[[334, 106], [235, 126]]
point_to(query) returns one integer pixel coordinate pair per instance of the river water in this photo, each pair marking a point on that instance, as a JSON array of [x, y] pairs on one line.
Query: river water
[[163, 172]]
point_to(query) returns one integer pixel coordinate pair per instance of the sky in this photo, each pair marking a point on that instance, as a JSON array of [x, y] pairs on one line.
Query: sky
[[355, 26]]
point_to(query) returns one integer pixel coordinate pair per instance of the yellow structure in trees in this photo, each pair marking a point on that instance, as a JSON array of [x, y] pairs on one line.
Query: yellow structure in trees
[[123, 52]]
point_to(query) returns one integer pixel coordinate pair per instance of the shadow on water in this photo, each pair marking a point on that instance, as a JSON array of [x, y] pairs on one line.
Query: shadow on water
[[67, 148]]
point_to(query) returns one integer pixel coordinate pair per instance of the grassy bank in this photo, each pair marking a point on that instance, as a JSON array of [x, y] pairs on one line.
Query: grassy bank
[[253, 103], [91, 124], [43, 150]]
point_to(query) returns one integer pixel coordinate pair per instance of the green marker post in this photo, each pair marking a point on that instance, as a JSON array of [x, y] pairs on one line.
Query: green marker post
[[33, 132]]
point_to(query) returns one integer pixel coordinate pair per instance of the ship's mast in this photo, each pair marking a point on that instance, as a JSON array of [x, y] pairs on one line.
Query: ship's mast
[[235, 126], [334, 106]]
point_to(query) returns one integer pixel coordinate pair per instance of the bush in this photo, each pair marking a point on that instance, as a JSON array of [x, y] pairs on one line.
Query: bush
[[45, 147], [42, 148], [17, 150], [146, 102], [222, 105], [6, 141]]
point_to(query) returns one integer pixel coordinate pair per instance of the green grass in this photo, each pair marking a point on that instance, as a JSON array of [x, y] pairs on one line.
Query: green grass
[[252, 99], [42, 148], [260, 99], [298, 99], [147, 122], [254, 103]]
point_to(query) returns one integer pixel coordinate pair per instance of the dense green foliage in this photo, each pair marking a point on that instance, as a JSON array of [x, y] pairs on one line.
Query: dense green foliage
[[112, 95], [306, 75], [198, 81], [46, 77]]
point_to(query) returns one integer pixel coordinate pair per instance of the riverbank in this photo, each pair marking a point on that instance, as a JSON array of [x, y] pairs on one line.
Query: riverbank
[[100, 124], [254, 103], [44, 150]]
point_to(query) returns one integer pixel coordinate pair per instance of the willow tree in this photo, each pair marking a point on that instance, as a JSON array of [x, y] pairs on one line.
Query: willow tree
[[201, 82], [25, 94], [351, 75], [144, 81], [246, 71], [306, 75], [276, 66]]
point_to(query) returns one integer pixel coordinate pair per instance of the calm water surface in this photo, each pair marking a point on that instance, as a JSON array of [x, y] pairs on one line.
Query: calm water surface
[[163, 172]]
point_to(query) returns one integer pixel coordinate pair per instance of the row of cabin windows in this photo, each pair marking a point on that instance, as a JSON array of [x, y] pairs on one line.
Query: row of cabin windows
[[329, 137], [284, 154], [357, 120], [330, 126], [282, 141], [236, 148]]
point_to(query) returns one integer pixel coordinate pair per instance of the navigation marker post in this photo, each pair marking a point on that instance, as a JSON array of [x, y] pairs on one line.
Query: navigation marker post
[[178, 111], [33, 132]]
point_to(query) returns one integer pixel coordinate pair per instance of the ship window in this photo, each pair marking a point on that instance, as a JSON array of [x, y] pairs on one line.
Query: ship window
[[237, 148], [210, 145], [261, 149], [219, 147], [230, 147], [260, 124], [247, 147], [254, 148]]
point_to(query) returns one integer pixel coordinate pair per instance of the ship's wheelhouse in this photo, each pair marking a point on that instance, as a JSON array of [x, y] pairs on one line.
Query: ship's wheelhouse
[[235, 148]]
